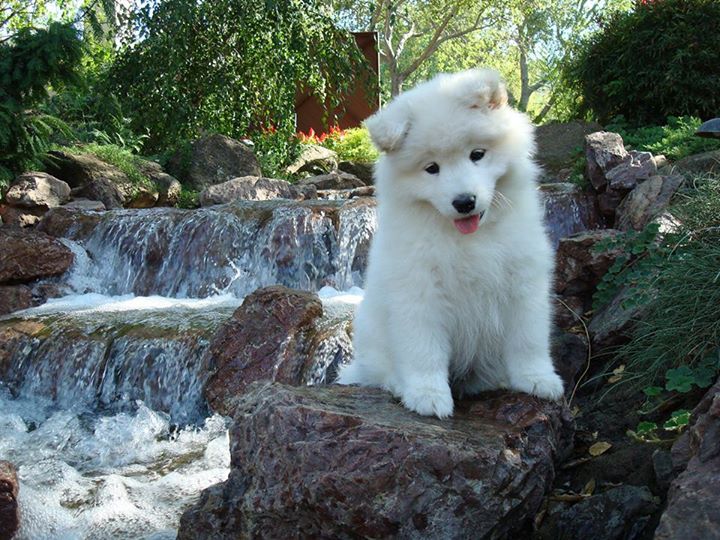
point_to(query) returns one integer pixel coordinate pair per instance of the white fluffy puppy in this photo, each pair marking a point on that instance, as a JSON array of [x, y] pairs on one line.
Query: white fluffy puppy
[[458, 282]]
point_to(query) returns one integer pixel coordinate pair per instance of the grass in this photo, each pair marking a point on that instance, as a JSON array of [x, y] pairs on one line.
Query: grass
[[121, 158], [681, 324], [675, 140]]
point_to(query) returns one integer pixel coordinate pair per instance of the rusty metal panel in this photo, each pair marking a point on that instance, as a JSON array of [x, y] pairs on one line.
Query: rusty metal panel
[[356, 107]]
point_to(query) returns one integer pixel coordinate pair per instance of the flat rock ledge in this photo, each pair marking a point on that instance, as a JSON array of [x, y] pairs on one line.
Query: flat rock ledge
[[349, 462]]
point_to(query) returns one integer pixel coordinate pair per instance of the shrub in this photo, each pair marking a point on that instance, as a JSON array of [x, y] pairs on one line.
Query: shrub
[[675, 140], [275, 150], [352, 144], [661, 59]]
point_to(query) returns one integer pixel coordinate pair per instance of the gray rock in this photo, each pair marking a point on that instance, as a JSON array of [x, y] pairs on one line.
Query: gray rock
[[256, 189], [37, 190], [333, 180], [349, 462], [646, 202], [604, 150], [613, 323], [9, 507], [314, 160], [168, 186], [364, 171], [213, 160], [693, 507], [85, 204], [103, 190]]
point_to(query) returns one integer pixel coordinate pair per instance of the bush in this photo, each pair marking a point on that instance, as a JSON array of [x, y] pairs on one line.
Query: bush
[[275, 151], [661, 59], [675, 140], [680, 325], [352, 145]]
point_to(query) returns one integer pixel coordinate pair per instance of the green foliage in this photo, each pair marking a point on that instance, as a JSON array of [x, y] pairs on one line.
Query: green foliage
[[275, 150], [188, 198], [641, 254], [30, 62], [675, 140], [352, 145], [118, 156], [661, 59], [231, 66]]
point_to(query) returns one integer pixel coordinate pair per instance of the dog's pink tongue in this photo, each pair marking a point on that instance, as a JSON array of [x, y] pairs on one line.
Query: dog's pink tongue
[[467, 225]]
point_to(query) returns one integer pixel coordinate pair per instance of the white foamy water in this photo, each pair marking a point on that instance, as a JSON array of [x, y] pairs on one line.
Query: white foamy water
[[89, 476]]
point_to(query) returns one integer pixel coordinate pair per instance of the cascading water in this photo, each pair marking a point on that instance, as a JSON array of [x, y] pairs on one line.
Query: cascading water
[[101, 404]]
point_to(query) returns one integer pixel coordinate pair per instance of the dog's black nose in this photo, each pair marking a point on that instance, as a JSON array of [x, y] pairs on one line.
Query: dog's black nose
[[464, 203]]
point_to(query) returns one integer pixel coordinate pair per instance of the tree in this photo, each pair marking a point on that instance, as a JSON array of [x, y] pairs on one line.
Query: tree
[[411, 32], [230, 66]]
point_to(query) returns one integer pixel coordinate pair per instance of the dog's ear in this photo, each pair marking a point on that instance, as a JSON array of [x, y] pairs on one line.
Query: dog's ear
[[484, 88], [389, 127]]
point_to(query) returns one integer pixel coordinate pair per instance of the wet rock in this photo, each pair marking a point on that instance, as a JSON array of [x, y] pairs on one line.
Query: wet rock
[[580, 265], [255, 189], [560, 144], [14, 298], [693, 507], [646, 202], [66, 222], [314, 160], [639, 166], [364, 171], [9, 510], [213, 160], [28, 255], [37, 190], [621, 513], [604, 150], [333, 180], [85, 204], [267, 338], [350, 462], [143, 197], [706, 162]]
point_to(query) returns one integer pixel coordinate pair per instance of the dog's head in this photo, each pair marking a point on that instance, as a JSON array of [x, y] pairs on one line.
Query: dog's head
[[449, 143]]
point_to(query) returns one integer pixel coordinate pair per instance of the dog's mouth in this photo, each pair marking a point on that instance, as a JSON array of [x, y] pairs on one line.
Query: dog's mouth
[[468, 225]]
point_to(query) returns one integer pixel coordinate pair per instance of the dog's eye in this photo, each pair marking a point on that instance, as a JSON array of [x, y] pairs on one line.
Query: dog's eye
[[477, 154], [432, 168]]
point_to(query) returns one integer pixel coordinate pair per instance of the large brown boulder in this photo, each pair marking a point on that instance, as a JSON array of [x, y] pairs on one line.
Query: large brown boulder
[[269, 337], [59, 222], [9, 511], [693, 508], [255, 189], [213, 160], [646, 202], [26, 255], [37, 190], [14, 298], [350, 462]]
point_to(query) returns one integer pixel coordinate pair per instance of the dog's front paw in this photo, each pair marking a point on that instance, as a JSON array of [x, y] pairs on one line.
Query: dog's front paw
[[429, 400], [546, 385]]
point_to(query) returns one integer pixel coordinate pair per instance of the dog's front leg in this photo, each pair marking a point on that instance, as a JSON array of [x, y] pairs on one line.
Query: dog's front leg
[[421, 354], [526, 352]]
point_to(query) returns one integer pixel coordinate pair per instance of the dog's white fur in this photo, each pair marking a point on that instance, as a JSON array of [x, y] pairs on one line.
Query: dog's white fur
[[443, 309]]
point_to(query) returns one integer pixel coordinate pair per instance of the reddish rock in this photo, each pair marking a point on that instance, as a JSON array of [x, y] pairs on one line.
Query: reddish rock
[[9, 512], [14, 298], [638, 167], [269, 337], [579, 265], [60, 221], [28, 255], [350, 462], [693, 507], [613, 324], [20, 217], [646, 202]]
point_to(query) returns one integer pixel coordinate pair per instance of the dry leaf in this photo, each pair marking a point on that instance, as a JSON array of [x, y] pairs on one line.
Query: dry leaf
[[617, 374], [599, 448], [589, 487], [575, 411]]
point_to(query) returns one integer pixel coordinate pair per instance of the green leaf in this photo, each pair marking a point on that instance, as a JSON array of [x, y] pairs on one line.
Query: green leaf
[[645, 428], [652, 391]]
